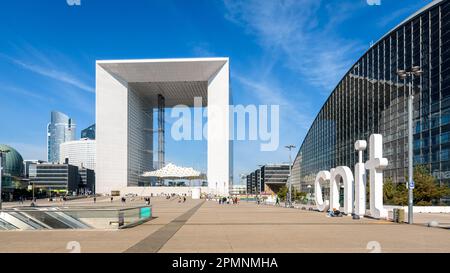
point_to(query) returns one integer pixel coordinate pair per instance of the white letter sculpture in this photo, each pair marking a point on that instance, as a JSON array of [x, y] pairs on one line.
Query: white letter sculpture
[[347, 177], [321, 177], [376, 164], [360, 180]]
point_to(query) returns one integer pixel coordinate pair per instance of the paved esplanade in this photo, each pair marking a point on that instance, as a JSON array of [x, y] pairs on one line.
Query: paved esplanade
[[206, 226]]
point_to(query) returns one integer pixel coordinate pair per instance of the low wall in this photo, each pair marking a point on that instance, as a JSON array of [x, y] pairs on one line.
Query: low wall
[[421, 209], [148, 191]]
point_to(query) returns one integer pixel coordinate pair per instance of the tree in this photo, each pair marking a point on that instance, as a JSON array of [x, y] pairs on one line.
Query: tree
[[282, 193], [426, 192], [296, 195], [395, 193]]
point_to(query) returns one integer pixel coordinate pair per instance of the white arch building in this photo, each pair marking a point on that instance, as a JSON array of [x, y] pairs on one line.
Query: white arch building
[[127, 91]]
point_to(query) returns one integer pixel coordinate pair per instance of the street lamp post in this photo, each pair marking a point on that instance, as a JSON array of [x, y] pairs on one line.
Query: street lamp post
[[290, 147], [309, 197], [404, 74], [259, 182], [1, 173]]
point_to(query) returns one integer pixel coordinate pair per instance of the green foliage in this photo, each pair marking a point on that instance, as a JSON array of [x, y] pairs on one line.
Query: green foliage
[[395, 194], [282, 193], [426, 192], [296, 195], [426, 189]]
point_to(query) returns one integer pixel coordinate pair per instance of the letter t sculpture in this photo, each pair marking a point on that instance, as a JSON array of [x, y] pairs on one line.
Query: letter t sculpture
[[376, 164]]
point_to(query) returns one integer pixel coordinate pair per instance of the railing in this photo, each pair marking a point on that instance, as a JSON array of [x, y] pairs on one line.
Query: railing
[[74, 217]]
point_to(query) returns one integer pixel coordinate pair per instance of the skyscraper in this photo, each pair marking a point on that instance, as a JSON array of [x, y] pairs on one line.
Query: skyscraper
[[80, 153], [89, 132], [60, 129]]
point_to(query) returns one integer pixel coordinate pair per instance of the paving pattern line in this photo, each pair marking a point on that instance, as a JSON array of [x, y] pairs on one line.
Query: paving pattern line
[[284, 224], [155, 241]]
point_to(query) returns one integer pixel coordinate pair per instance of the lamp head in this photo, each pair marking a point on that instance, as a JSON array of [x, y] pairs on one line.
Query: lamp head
[[416, 70], [401, 74]]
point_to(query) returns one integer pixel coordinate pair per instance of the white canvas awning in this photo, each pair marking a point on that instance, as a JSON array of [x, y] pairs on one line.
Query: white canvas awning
[[174, 172]]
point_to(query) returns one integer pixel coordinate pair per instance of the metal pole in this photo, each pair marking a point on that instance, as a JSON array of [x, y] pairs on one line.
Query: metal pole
[[410, 153], [290, 174]]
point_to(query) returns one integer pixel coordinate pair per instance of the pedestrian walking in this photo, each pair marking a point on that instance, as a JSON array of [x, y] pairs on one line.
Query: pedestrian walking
[[95, 199], [112, 199]]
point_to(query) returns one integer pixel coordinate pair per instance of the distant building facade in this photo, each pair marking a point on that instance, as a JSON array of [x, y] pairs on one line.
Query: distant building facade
[[60, 129], [87, 180], [67, 177], [89, 132], [27, 164], [238, 189], [81, 153], [268, 179]]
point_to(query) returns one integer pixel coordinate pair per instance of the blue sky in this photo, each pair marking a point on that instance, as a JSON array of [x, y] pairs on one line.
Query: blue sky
[[290, 53]]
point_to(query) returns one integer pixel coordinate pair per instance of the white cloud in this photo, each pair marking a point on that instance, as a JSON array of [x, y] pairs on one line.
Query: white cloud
[[24, 92], [55, 74], [270, 94], [303, 33], [59, 67]]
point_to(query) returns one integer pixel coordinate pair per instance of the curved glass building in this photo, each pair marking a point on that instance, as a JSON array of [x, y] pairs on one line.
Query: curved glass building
[[60, 129], [371, 98], [12, 161]]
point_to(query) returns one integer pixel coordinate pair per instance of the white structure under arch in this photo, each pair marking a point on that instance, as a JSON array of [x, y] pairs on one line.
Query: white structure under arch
[[127, 91], [173, 171]]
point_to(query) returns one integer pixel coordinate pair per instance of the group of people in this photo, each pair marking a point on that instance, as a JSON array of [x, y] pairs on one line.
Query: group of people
[[228, 200], [334, 213]]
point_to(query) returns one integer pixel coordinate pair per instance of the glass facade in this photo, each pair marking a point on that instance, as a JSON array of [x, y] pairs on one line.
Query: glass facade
[[89, 132], [268, 178], [55, 176], [62, 176], [60, 129], [371, 98]]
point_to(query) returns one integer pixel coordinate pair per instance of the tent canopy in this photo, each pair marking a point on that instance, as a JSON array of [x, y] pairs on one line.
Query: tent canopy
[[174, 172]]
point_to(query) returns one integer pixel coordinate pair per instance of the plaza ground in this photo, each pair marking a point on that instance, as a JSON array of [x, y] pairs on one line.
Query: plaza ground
[[206, 226]]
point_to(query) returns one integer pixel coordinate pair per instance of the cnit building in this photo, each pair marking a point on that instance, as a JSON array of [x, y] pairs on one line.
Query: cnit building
[[372, 98]]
